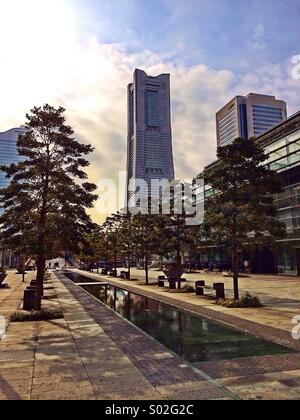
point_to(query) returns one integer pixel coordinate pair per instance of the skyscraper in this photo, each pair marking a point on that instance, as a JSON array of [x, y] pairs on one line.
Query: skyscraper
[[150, 149], [8, 151], [249, 116]]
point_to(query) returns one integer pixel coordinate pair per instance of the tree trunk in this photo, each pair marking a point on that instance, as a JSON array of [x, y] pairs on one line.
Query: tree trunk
[[115, 262], [179, 262], [3, 258], [41, 269], [190, 263], [41, 256], [161, 264], [129, 267], [235, 272], [146, 268], [41, 259]]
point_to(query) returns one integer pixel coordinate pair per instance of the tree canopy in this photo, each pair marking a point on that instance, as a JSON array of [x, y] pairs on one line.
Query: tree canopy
[[241, 210], [45, 203]]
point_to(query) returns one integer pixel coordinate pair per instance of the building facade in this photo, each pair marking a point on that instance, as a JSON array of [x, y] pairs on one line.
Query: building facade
[[8, 155], [248, 116], [150, 149], [8, 151], [282, 144]]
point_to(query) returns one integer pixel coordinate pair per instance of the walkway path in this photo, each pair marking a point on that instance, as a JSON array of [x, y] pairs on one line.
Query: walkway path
[[11, 297], [93, 354]]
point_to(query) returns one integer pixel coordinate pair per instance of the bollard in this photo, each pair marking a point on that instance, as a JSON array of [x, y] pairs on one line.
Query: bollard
[[29, 297], [113, 273], [200, 283], [199, 291], [220, 290]]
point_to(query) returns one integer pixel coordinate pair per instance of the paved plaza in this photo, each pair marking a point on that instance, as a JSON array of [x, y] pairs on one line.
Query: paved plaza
[[93, 353]]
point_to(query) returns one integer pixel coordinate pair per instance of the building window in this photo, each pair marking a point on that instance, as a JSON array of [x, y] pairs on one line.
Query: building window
[[152, 108]]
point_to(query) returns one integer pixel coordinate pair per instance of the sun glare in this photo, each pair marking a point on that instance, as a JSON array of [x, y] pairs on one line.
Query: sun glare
[[37, 40], [34, 25]]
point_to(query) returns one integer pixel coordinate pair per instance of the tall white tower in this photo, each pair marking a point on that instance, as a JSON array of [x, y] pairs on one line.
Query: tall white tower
[[150, 149]]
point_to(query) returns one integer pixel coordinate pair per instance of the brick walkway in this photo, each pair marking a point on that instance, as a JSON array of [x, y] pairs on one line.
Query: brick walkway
[[92, 354], [264, 377], [164, 372]]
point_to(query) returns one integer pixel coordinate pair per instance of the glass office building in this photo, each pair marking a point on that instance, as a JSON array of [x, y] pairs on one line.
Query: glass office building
[[282, 144], [266, 117], [248, 116], [8, 151]]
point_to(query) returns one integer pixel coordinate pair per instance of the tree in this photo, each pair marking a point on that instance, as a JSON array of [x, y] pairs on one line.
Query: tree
[[127, 238], [147, 237], [112, 228], [179, 238], [48, 193], [241, 210]]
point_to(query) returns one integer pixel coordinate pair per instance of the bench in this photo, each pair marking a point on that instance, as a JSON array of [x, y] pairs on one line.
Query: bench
[[124, 275]]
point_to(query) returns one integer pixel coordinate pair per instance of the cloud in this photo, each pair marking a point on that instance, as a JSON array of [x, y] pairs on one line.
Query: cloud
[[257, 41], [90, 78]]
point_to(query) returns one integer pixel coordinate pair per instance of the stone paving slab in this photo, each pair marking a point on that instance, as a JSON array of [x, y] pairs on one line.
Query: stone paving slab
[[250, 366], [158, 366], [138, 347], [11, 297], [95, 354]]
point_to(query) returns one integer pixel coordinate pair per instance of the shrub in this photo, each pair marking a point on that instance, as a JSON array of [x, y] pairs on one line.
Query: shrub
[[247, 301], [52, 296], [43, 315], [188, 289]]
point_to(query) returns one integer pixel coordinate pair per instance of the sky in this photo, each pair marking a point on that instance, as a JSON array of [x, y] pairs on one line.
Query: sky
[[81, 54]]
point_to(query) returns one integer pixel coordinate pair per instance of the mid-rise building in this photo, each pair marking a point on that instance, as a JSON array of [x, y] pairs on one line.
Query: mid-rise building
[[150, 149], [282, 145], [8, 151], [248, 116]]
